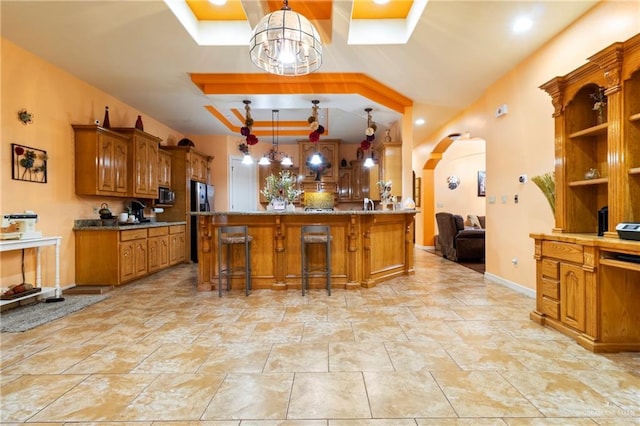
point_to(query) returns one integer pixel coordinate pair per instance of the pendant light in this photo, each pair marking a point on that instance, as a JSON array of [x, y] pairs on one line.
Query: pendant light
[[274, 152], [286, 43], [370, 136]]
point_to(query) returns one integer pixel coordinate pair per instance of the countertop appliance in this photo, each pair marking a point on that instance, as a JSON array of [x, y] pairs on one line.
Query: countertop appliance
[[165, 196], [628, 231], [20, 226], [202, 197]]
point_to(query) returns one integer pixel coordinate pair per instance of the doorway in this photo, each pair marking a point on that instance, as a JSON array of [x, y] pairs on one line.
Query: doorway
[[243, 192]]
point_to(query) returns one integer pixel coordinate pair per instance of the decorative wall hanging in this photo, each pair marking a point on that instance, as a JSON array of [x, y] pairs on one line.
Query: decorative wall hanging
[[25, 117], [482, 185], [29, 164], [453, 182]]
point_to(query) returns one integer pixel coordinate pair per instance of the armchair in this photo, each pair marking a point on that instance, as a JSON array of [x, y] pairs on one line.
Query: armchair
[[457, 243]]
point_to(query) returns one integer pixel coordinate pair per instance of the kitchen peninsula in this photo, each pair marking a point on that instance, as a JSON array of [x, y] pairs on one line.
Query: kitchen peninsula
[[368, 247]]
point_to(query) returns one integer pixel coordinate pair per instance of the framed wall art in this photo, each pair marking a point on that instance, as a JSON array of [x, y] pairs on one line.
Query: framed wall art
[[417, 187], [28, 164], [482, 184]]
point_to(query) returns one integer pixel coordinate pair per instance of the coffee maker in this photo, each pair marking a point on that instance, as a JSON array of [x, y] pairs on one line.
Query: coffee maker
[[137, 209]]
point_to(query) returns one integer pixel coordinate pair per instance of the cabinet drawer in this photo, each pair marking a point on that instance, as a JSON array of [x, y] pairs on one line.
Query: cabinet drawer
[[158, 232], [134, 234], [550, 289], [551, 269], [176, 229], [564, 251], [550, 307]]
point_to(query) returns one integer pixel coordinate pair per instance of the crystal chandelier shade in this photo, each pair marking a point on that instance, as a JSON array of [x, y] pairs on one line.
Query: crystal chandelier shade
[[286, 43]]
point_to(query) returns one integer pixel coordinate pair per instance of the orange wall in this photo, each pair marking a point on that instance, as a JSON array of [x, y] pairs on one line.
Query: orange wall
[[57, 100], [521, 142]]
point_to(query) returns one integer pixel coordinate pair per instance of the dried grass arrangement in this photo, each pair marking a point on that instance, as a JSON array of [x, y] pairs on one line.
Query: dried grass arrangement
[[547, 184]]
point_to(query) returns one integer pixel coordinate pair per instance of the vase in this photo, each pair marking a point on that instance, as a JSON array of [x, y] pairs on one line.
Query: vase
[[291, 207], [105, 122], [601, 115], [139, 124], [317, 175]]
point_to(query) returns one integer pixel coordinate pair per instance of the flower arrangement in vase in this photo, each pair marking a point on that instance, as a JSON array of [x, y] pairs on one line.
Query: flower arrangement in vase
[[280, 188], [387, 201]]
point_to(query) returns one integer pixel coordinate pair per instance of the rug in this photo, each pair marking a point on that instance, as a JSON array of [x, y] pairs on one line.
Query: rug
[[27, 317]]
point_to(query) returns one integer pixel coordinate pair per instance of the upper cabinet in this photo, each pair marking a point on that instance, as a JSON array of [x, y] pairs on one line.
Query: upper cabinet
[[164, 168], [143, 162], [199, 167], [100, 161], [328, 149], [390, 165], [597, 127]]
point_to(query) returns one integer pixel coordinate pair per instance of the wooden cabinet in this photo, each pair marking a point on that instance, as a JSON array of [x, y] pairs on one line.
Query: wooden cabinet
[[353, 182], [164, 168], [199, 167], [100, 161], [177, 244], [114, 257], [183, 161], [390, 166], [596, 275], [612, 146], [329, 149], [142, 163], [158, 246]]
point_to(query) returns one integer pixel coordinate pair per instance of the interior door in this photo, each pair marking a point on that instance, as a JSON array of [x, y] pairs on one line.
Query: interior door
[[243, 190]]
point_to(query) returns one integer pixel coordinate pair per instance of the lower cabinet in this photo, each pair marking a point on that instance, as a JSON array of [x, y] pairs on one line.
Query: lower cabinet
[[587, 288], [177, 243], [114, 257], [158, 246]]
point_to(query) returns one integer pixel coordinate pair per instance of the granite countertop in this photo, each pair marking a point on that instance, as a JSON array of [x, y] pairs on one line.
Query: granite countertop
[[302, 212], [97, 225]]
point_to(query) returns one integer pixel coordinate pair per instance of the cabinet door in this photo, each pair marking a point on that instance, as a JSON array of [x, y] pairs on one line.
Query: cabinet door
[[140, 258], [164, 169], [140, 167], [572, 296], [163, 252], [328, 150], [176, 248], [158, 248], [112, 164], [359, 181], [199, 166], [344, 185], [127, 261], [152, 168]]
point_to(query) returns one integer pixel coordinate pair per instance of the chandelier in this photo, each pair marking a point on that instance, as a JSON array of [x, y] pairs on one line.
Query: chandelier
[[286, 43], [370, 135], [273, 153]]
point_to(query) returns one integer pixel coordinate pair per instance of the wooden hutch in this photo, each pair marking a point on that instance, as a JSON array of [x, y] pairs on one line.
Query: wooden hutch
[[588, 286]]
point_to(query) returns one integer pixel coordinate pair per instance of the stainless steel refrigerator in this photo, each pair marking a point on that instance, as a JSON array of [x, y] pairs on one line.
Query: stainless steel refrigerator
[[202, 196]]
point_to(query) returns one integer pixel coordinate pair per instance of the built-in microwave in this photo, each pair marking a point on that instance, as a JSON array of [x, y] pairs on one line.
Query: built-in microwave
[[165, 196]]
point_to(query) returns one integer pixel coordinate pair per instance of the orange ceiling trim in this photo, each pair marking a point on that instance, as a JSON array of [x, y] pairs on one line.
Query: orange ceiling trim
[[310, 9], [394, 9], [267, 124], [316, 83], [240, 116], [203, 10]]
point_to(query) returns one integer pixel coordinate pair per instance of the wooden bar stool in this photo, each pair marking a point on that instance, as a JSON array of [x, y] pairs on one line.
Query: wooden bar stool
[[315, 234], [230, 236]]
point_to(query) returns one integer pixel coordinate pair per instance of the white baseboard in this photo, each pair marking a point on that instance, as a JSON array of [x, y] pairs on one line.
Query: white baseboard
[[510, 284]]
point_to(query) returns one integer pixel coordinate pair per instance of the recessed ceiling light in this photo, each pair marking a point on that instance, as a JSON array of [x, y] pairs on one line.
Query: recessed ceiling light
[[522, 24], [419, 121], [381, 1], [218, 2]]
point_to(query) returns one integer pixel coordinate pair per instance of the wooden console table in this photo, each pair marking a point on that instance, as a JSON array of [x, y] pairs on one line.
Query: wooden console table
[[36, 243]]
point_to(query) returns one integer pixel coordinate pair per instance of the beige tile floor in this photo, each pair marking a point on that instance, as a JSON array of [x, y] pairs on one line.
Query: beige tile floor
[[441, 347]]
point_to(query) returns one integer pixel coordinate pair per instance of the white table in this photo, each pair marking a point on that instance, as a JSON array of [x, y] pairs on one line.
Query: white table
[[36, 243]]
